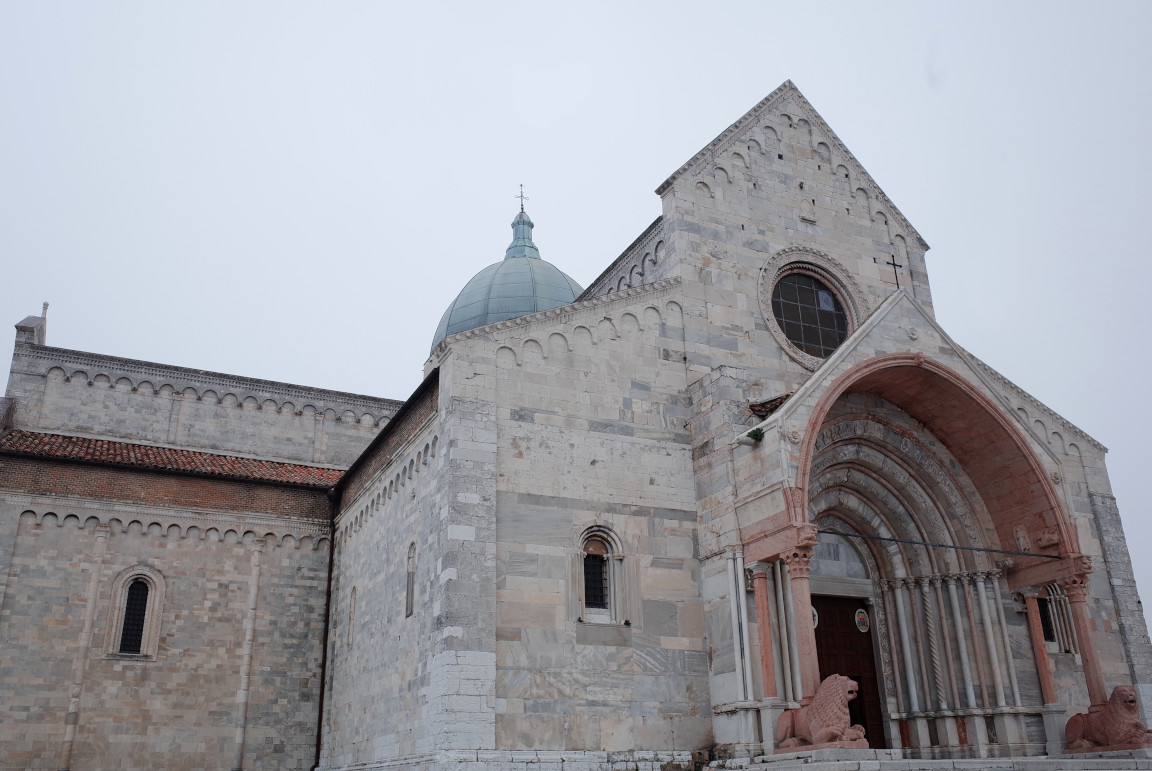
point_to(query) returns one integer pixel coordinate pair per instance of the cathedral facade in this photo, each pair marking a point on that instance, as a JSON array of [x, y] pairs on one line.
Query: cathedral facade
[[646, 522]]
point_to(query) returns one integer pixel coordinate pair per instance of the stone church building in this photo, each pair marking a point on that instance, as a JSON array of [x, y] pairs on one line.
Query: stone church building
[[629, 526]]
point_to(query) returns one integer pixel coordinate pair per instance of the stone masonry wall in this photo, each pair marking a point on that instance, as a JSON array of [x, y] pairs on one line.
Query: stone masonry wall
[[591, 431], [380, 661], [178, 709], [90, 394]]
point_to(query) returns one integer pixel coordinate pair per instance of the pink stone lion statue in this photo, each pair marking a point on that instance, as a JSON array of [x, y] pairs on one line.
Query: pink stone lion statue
[[1116, 724], [823, 721]]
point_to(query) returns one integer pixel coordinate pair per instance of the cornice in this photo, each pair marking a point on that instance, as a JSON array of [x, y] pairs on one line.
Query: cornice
[[1033, 402], [648, 236], [204, 520], [727, 134], [614, 300]]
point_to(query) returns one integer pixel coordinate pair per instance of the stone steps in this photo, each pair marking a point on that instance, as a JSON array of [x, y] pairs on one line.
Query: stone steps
[[891, 760]]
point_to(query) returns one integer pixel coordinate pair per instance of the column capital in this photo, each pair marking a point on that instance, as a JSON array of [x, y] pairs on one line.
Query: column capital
[[798, 560], [758, 569], [1075, 586]]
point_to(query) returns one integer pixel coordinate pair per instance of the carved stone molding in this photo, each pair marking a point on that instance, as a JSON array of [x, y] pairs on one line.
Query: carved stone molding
[[799, 561], [830, 271], [172, 523]]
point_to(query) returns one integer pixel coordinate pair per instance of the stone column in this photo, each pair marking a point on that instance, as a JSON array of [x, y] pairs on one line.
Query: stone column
[[1039, 650], [1054, 714], [734, 611], [949, 658], [906, 646], [990, 639], [784, 632], [958, 621], [764, 629], [745, 642], [798, 561], [930, 613], [918, 724], [890, 623], [772, 705], [999, 587], [981, 675], [1077, 589]]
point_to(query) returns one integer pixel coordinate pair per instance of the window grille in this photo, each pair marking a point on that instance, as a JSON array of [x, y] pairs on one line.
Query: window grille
[[595, 581]]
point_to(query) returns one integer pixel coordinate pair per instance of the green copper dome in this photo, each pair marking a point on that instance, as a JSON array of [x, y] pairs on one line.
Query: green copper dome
[[520, 284]]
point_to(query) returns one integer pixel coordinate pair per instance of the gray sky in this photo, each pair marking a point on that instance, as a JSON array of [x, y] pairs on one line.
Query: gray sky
[[296, 191]]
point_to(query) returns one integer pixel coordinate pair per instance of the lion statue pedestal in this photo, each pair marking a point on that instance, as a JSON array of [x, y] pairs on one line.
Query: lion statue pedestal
[[1114, 726], [823, 724]]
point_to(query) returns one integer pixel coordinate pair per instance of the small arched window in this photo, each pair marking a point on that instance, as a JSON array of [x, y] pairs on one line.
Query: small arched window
[[135, 613], [600, 578], [596, 585], [134, 617]]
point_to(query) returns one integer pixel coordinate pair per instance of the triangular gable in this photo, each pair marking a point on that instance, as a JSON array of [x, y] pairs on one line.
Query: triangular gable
[[738, 130]]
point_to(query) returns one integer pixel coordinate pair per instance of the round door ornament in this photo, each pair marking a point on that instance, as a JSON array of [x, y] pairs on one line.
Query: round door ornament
[[815, 618], [862, 621]]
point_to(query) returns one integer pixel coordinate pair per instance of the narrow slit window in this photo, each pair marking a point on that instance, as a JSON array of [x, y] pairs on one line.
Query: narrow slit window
[[410, 591], [135, 611], [1046, 624]]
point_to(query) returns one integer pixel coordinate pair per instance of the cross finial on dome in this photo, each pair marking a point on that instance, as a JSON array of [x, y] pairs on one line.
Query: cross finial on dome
[[522, 245]]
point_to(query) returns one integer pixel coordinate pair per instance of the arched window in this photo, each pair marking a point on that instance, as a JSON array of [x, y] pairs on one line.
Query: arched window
[[600, 583], [135, 613], [134, 617], [596, 585], [410, 593]]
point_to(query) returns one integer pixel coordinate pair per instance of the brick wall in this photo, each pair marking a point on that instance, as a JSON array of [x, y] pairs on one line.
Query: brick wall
[[29, 475]]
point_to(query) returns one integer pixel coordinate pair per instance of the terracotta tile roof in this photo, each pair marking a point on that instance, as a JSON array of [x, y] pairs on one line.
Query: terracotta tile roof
[[103, 451], [764, 409]]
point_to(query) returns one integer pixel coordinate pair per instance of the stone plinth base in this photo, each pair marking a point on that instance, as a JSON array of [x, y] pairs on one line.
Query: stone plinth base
[[1115, 751], [858, 744], [833, 752], [890, 760]]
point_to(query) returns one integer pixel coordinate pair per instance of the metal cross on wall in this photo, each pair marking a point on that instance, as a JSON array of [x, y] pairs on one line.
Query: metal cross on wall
[[891, 262]]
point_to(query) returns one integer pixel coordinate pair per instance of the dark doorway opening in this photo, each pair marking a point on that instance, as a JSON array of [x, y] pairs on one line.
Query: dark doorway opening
[[844, 647]]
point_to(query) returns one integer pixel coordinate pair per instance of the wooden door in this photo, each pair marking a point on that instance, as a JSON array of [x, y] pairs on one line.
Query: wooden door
[[844, 647]]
